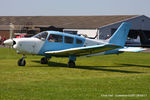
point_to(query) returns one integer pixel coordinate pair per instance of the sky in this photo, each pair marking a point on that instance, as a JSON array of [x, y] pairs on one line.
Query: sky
[[74, 7]]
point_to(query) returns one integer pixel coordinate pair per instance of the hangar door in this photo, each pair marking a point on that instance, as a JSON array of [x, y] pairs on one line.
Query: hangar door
[[137, 38]]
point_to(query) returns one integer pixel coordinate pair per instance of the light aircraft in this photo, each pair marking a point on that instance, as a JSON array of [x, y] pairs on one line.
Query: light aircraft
[[59, 44]]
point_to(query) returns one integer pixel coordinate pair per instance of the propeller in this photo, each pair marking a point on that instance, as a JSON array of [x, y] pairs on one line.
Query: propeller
[[9, 42]]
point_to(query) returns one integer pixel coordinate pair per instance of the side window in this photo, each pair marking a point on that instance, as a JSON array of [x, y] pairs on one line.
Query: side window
[[78, 41], [68, 39], [55, 38]]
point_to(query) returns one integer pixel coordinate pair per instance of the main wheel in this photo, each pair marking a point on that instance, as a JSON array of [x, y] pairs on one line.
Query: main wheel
[[44, 60], [71, 64], [21, 62]]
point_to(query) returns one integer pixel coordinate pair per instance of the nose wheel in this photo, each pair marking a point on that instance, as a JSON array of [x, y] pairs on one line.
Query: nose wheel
[[22, 62]]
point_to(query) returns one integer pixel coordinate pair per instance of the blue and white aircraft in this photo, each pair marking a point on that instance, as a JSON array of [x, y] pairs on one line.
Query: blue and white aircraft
[[58, 44]]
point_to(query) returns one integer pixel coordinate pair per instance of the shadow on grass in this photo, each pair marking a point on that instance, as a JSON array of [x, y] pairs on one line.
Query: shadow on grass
[[50, 64], [56, 64], [133, 65]]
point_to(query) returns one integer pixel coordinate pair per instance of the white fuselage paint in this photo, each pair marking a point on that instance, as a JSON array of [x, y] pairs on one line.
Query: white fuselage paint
[[91, 42], [34, 45], [28, 45]]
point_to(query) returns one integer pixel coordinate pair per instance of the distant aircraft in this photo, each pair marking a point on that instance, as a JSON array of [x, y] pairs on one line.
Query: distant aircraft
[[58, 44], [134, 42]]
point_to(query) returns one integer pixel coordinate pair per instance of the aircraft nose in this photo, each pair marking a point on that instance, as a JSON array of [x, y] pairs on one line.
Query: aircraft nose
[[9, 42]]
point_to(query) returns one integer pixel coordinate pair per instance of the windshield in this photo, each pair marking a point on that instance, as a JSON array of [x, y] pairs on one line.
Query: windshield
[[41, 36]]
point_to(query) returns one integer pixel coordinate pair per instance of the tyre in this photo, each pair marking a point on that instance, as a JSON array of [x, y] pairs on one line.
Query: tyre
[[44, 60], [21, 62], [71, 64]]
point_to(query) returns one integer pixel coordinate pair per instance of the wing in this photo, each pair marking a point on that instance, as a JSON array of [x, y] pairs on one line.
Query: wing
[[132, 49], [81, 51]]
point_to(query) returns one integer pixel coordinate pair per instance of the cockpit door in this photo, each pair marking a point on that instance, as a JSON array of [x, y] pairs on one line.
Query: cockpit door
[[54, 42]]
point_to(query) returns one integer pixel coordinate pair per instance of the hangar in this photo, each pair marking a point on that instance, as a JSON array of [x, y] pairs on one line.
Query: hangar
[[140, 27], [89, 25]]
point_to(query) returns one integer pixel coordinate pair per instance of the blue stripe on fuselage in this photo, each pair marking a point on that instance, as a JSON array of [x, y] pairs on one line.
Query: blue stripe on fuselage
[[55, 46]]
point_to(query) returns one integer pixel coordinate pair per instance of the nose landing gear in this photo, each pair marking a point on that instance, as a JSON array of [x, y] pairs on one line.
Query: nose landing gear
[[22, 62]]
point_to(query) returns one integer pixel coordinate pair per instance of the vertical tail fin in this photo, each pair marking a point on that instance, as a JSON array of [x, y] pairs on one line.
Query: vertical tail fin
[[120, 35]]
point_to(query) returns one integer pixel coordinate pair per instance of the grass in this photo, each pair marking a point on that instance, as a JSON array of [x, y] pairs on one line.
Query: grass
[[108, 77]]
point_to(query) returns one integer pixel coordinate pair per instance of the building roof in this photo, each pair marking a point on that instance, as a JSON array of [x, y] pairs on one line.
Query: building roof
[[75, 22]]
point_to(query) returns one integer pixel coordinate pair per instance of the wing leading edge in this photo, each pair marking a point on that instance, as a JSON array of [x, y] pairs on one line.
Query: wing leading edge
[[81, 51]]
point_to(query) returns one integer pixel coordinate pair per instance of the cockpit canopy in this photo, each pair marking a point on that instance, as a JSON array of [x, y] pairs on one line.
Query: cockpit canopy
[[59, 38], [42, 36]]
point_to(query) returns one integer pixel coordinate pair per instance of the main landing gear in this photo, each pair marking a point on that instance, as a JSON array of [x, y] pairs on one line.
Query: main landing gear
[[22, 62], [44, 60], [71, 62]]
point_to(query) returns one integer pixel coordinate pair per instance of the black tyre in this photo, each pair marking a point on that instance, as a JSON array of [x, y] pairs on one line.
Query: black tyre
[[71, 64], [44, 60], [21, 62]]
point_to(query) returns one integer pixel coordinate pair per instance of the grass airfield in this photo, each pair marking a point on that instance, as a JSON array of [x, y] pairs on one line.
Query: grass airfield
[[108, 77]]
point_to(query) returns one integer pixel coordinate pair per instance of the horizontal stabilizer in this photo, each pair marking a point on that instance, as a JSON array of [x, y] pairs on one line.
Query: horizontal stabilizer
[[132, 49]]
